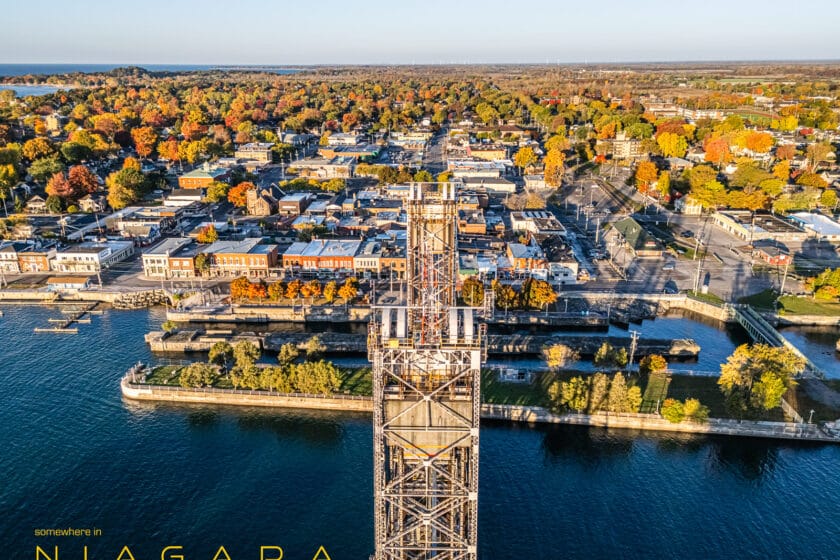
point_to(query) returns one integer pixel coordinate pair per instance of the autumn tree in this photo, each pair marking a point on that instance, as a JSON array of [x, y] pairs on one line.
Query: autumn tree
[[245, 353], [221, 353], [144, 140], [717, 151], [524, 157], [472, 292], [216, 191], [646, 173], [330, 291], [125, 187], [558, 356], [663, 185], [38, 148], [288, 353], [311, 289], [44, 168], [207, 234], [238, 195], [59, 186], [131, 163], [197, 374], [239, 287], [756, 376], [293, 289], [349, 290], [782, 170], [652, 363], [672, 145], [554, 167], [82, 180], [537, 294]]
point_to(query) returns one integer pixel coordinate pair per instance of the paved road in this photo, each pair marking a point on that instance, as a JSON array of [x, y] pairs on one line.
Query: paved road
[[434, 157]]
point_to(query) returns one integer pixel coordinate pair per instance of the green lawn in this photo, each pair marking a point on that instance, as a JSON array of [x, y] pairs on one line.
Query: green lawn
[[656, 390], [357, 381], [707, 391], [526, 394], [793, 305], [764, 300], [164, 375], [707, 297]]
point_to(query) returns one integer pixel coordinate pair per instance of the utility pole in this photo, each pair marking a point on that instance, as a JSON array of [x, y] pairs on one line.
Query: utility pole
[[784, 277], [634, 339]]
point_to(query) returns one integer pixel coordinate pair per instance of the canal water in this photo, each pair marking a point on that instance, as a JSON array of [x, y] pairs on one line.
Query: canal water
[[75, 455]]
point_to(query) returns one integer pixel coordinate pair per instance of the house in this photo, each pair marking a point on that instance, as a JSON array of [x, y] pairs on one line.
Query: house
[[262, 201], [67, 283], [631, 235], [93, 203], [156, 260], [92, 256], [184, 197], [255, 151], [771, 253], [294, 204], [36, 205], [201, 177], [9, 256], [249, 257], [528, 257], [535, 182], [688, 206]]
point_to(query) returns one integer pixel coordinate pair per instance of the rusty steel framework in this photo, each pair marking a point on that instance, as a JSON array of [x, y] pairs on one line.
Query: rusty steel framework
[[426, 357]]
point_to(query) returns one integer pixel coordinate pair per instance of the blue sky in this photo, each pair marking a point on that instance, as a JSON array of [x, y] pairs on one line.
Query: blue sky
[[408, 31]]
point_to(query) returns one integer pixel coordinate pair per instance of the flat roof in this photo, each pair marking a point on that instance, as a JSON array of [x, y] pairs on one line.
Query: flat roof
[[168, 246], [819, 223]]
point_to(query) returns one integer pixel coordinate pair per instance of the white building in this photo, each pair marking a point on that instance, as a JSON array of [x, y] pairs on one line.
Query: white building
[[819, 225], [92, 257]]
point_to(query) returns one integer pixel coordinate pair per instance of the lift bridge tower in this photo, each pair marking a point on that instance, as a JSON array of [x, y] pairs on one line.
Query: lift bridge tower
[[426, 356]]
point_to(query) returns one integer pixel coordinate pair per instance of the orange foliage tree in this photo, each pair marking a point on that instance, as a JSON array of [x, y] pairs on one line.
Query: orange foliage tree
[[646, 173], [238, 195], [144, 140]]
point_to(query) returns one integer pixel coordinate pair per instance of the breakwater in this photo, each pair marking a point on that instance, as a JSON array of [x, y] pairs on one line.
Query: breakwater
[[128, 299], [349, 343]]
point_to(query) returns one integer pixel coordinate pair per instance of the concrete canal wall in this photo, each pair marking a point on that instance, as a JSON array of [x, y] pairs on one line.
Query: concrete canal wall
[[510, 413]]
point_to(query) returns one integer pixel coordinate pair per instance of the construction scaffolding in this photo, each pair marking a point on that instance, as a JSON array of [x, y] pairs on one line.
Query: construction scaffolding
[[426, 356]]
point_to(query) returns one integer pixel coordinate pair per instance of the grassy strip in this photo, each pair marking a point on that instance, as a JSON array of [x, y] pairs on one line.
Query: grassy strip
[[656, 391], [792, 305], [707, 297], [164, 375], [764, 300]]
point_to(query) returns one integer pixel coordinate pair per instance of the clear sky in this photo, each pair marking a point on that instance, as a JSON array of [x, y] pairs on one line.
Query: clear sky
[[281, 32]]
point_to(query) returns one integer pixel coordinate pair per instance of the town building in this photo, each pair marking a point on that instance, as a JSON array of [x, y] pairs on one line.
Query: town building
[[249, 257], [626, 148], [537, 222], [92, 256], [255, 151], [203, 176], [771, 253], [34, 259], [487, 152], [818, 225], [629, 234], [325, 168], [336, 255], [9, 263], [67, 284], [262, 201], [156, 259], [754, 226], [493, 185], [184, 197], [294, 204], [93, 203], [526, 257]]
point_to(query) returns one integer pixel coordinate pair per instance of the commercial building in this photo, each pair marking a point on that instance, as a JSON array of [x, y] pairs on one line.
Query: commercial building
[[335, 255], [92, 257], [294, 204], [202, 177], [753, 226], [249, 257], [255, 151], [631, 235], [537, 222], [157, 260], [818, 225]]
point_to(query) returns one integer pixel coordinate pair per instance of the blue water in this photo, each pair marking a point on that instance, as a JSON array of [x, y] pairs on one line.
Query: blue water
[[49, 69], [74, 454], [24, 91]]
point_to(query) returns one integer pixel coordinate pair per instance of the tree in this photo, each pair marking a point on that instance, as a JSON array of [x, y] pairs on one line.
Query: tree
[[717, 151], [197, 374], [816, 154], [169, 326], [238, 195], [811, 180], [786, 152], [634, 399], [247, 375], [74, 152], [293, 289], [54, 204], [207, 234], [8, 179], [472, 292], [245, 353], [672, 145], [598, 390], [709, 195], [239, 287], [505, 295], [646, 173], [217, 191], [537, 294], [652, 363], [59, 186], [349, 290], [320, 377], [663, 185], [330, 291], [609, 356], [288, 353], [782, 170], [524, 157], [276, 291], [311, 289], [144, 140], [38, 148], [558, 356], [756, 376], [221, 353], [617, 399], [695, 411], [125, 187], [44, 168], [574, 393], [554, 167], [828, 199], [314, 348], [673, 411], [422, 176], [82, 180]]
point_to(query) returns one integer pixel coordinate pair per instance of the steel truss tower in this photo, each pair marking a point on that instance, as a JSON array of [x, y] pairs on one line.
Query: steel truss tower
[[426, 357]]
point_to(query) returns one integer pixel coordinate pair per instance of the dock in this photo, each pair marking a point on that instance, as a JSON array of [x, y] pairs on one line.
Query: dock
[[70, 317]]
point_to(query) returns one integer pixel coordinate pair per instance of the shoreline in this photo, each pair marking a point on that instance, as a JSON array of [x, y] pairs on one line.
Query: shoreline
[[508, 413]]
